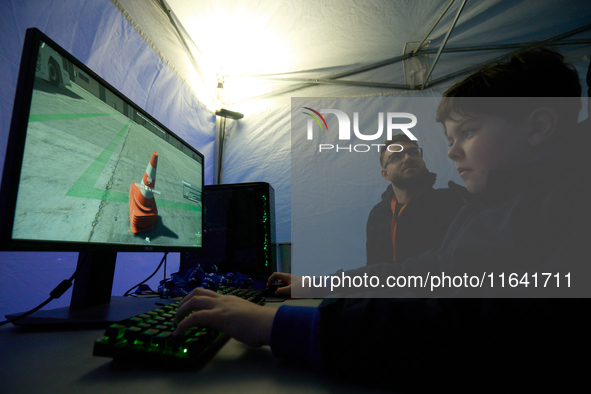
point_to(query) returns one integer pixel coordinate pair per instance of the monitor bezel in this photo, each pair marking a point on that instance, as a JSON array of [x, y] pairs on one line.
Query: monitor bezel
[[15, 152]]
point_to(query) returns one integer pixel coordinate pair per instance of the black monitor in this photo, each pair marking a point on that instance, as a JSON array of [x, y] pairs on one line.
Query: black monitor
[[87, 170]]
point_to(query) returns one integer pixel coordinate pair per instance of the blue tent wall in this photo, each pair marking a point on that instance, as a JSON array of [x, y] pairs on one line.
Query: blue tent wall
[[96, 33]]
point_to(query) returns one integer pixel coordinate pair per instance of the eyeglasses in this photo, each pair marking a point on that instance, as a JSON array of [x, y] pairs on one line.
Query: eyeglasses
[[398, 156]]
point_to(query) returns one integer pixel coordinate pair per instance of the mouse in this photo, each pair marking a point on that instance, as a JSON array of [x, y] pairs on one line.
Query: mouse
[[269, 291]]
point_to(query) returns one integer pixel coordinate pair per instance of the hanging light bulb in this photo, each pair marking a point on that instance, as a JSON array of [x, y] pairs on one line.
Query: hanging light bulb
[[219, 94]]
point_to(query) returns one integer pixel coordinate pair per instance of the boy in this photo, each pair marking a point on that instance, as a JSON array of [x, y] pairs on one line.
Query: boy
[[526, 170]]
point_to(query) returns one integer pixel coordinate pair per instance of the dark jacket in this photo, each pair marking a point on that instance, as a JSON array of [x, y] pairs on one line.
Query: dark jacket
[[534, 220], [421, 225]]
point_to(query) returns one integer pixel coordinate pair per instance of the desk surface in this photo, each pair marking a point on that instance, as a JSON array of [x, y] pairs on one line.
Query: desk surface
[[61, 361]]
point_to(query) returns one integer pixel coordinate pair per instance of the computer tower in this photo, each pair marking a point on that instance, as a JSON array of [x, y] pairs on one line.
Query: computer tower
[[238, 230]]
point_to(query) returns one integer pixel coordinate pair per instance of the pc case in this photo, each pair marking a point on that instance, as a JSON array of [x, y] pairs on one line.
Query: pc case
[[238, 229]]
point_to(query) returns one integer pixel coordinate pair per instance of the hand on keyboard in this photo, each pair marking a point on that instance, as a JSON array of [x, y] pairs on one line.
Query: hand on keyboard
[[295, 287], [289, 279], [241, 319]]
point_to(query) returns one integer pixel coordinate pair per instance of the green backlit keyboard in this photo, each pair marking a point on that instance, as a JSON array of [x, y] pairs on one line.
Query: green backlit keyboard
[[146, 339]]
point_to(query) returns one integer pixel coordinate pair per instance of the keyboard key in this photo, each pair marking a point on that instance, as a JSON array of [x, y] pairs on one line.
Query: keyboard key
[[162, 338], [114, 332], [147, 335], [131, 333], [134, 321]]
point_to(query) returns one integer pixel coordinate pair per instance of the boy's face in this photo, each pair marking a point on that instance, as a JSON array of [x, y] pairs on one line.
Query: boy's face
[[484, 143]]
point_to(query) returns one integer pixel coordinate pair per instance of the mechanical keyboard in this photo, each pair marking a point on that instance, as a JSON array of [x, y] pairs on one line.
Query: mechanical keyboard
[[146, 339]]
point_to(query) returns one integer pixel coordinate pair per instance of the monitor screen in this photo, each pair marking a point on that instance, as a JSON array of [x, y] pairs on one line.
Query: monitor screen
[[89, 170]]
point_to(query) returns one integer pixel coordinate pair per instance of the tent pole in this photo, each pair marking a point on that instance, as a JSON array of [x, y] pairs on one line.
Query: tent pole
[[431, 51], [220, 149], [336, 76], [551, 41], [414, 52], [313, 82], [340, 82], [453, 24], [504, 46], [180, 29]]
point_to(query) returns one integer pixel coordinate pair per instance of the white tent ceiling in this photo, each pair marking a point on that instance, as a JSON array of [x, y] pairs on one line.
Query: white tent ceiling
[[262, 48]]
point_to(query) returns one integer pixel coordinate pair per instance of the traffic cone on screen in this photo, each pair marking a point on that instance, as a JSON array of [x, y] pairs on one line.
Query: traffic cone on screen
[[142, 205]]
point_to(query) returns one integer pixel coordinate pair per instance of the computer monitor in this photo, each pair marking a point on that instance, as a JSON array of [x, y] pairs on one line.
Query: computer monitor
[[87, 170]]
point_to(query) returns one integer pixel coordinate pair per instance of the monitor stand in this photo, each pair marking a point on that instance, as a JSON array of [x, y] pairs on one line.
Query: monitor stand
[[91, 303]]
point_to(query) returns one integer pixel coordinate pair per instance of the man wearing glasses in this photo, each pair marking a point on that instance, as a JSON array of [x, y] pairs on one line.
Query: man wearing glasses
[[413, 216]]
